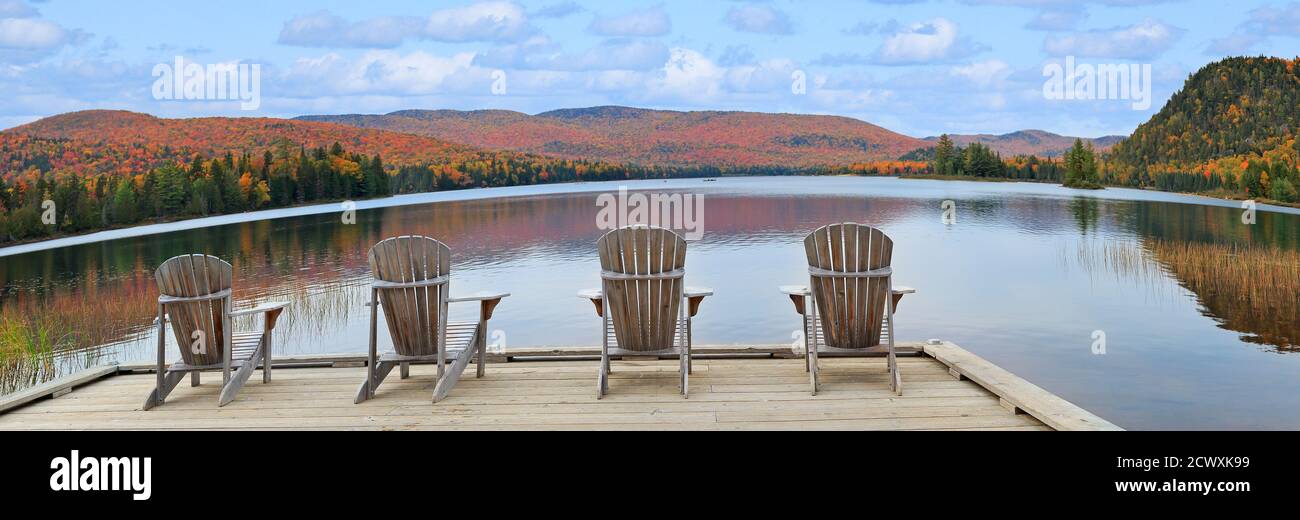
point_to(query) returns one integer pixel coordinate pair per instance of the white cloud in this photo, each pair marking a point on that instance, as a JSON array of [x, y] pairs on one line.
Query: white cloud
[[758, 19], [1146, 39], [485, 21], [650, 22], [539, 53], [30, 34], [323, 29], [1057, 19], [688, 76], [1263, 22], [1238, 42], [984, 73], [15, 9], [559, 10], [380, 72], [922, 42], [769, 76], [1052, 3]]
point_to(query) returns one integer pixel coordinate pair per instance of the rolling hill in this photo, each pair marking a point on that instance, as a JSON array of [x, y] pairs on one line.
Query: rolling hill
[[112, 142], [1029, 142], [1245, 106], [660, 137]]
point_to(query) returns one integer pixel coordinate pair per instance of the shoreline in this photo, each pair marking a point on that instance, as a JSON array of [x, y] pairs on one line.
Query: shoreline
[[530, 190]]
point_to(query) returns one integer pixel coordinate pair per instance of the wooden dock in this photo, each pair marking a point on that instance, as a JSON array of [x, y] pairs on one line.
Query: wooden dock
[[732, 388]]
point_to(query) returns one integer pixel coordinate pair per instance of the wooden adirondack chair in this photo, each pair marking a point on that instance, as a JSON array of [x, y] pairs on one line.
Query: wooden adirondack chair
[[850, 276], [194, 296], [649, 309], [411, 278]]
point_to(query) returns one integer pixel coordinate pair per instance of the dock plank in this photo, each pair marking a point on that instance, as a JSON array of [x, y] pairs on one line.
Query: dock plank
[[1016, 394], [727, 394]]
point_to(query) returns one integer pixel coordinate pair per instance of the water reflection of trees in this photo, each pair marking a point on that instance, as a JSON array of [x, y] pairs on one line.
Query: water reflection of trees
[[1253, 290], [103, 294]]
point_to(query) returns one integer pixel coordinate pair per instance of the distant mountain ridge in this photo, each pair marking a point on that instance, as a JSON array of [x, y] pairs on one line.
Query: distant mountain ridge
[[1030, 142], [660, 137], [116, 142]]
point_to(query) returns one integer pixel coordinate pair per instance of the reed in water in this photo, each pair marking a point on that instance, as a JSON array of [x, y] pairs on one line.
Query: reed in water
[[27, 351], [1253, 289]]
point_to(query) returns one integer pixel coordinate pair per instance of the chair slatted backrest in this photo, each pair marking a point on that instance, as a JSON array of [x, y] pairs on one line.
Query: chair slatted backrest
[[851, 309], [414, 314], [197, 321], [642, 280]]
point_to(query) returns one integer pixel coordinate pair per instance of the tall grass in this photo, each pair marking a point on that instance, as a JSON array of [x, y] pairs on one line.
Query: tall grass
[[45, 336], [1252, 289], [28, 348]]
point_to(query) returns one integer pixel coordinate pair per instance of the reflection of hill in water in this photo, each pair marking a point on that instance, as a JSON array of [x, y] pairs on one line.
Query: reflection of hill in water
[[103, 294], [1253, 290], [1245, 276]]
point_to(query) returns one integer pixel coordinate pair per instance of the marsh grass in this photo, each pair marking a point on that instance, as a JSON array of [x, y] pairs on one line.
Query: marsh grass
[[42, 338], [1250, 289], [28, 348]]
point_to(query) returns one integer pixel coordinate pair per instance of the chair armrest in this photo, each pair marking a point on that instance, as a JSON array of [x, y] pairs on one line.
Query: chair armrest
[[798, 295], [597, 298], [478, 297], [795, 290], [488, 302], [899, 291], [697, 292], [271, 309], [694, 296], [261, 308]]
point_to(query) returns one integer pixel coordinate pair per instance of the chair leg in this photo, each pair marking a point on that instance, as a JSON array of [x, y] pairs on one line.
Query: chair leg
[[194, 379], [381, 370], [685, 362], [602, 380], [406, 371], [266, 358], [812, 368], [367, 389], [167, 381], [480, 368], [231, 388]]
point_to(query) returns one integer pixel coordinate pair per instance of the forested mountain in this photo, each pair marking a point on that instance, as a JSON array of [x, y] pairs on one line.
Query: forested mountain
[[1232, 127], [119, 142], [656, 137], [110, 168], [1029, 142], [1230, 107]]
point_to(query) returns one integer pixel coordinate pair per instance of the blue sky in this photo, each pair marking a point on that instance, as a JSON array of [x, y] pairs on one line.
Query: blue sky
[[915, 66]]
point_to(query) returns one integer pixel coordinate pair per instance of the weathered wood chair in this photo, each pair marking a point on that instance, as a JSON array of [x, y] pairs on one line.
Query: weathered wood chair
[[849, 278], [411, 278], [194, 296], [649, 309]]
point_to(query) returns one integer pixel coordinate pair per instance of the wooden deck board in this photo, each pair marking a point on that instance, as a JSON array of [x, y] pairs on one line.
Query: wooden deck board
[[726, 394]]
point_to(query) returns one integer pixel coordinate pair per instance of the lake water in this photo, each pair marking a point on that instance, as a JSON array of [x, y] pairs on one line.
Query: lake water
[[1024, 277]]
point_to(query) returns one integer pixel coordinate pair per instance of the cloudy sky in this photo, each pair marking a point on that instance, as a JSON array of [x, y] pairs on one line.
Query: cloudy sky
[[915, 66]]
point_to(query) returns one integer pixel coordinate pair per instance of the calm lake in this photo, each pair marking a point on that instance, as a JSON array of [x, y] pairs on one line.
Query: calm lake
[[1024, 277]]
